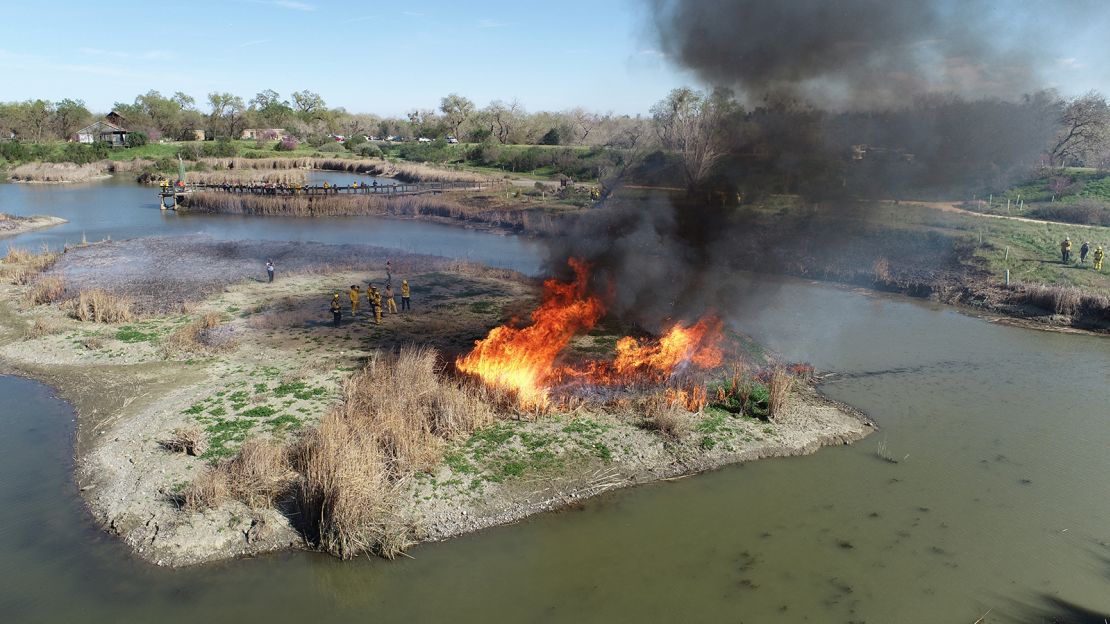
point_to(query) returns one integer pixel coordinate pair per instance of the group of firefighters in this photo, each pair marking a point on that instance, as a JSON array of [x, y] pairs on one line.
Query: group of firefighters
[[376, 298], [1084, 250]]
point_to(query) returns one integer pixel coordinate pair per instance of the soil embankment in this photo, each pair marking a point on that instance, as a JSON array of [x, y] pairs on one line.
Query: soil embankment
[[267, 362]]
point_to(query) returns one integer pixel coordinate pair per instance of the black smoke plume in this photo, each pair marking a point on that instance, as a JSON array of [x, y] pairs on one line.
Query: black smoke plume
[[942, 98]]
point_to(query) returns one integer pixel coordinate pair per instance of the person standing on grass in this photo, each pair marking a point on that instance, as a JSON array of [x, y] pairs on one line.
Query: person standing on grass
[[388, 273], [336, 311], [405, 293], [1065, 250], [356, 296], [390, 301], [1097, 257], [1084, 249], [270, 270]]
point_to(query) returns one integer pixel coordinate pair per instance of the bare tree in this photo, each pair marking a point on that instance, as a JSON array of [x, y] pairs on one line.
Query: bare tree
[[456, 110], [1085, 129], [695, 125]]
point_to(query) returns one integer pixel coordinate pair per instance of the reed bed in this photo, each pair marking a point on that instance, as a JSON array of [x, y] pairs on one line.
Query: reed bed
[[291, 177], [258, 474], [56, 172], [410, 206], [779, 384], [406, 172], [1064, 300]]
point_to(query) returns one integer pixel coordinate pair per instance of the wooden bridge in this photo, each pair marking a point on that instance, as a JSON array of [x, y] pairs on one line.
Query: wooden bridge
[[171, 195]]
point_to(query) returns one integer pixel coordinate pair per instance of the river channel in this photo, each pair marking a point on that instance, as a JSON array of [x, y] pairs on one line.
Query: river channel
[[999, 499]]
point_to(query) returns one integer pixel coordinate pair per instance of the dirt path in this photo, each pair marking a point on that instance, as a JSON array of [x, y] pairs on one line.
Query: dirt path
[[955, 208]]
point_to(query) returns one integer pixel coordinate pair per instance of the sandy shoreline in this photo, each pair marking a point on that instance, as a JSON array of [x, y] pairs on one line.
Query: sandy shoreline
[[11, 225], [130, 394]]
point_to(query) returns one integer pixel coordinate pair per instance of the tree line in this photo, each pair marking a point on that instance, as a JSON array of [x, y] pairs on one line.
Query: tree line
[[306, 116]]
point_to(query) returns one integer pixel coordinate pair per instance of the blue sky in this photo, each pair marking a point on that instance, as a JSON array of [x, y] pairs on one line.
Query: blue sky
[[380, 57], [372, 56]]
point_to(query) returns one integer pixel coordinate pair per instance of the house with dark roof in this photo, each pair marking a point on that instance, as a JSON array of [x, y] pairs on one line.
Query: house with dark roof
[[108, 130]]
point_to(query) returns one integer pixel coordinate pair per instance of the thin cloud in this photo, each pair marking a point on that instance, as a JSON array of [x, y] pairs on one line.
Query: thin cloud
[[247, 44], [1071, 63], [292, 5], [412, 14], [361, 19], [491, 23], [148, 55]]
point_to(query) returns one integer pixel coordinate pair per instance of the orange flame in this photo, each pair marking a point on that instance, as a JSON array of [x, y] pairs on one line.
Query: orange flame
[[521, 359], [698, 344]]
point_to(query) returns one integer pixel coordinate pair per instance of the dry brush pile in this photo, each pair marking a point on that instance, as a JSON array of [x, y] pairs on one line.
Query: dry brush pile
[[290, 177]]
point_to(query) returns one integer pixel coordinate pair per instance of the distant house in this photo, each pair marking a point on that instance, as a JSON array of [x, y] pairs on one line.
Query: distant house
[[265, 134], [105, 131]]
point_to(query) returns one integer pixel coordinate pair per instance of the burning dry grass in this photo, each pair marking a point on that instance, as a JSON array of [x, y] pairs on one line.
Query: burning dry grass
[[57, 172], [101, 306]]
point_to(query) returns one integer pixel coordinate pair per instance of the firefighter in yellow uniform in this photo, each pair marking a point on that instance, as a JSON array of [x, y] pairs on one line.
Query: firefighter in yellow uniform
[[336, 310], [405, 295], [390, 299], [1065, 251], [1098, 256], [356, 296], [375, 297]]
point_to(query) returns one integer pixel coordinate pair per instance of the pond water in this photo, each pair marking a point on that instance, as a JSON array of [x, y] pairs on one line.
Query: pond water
[[999, 501], [121, 209]]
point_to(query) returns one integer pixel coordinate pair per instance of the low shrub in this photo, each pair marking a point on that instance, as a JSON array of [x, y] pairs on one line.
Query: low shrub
[[48, 290], [190, 440], [100, 306]]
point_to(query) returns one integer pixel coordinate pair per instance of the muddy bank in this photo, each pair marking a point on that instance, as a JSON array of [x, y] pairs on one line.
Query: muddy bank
[[273, 365], [12, 225], [160, 274]]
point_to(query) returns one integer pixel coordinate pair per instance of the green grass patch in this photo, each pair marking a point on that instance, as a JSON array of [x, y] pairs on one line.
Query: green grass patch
[[262, 411], [128, 333]]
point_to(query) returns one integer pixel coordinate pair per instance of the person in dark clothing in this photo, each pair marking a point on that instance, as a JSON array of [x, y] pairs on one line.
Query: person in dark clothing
[[270, 270], [1084, 249], [336, 310]]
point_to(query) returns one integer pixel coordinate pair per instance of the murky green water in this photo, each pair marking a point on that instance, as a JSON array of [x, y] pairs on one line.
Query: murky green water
[[1000, 501]]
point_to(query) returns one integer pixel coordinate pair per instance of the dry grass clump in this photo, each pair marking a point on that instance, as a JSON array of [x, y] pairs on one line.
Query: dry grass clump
[[346, 497], [207, 490], [663, 415], [56, 172], [199, 336], [20, 265], [190, 440], [48, 290], [411, 409], [881, 270], [257, 476], [779, 384], [1065, 300], [100, 306], [43, 327]]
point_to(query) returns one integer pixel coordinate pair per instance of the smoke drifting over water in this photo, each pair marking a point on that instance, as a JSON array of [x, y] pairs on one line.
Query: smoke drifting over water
[[944, 98], [855, 53]]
